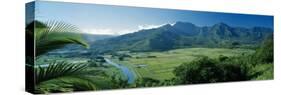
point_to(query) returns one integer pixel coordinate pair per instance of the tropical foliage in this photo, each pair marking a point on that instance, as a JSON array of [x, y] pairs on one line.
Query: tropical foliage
[[53, 35], [58, 76], [62, 77]]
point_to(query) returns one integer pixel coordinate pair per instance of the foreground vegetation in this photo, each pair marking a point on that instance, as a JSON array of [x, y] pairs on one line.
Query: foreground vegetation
[[57, 76]]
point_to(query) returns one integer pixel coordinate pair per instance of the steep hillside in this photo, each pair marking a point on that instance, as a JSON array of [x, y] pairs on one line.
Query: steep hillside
[[183, 34]]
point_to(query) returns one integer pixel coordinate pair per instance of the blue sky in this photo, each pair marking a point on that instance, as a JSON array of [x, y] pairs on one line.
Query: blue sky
[[105, 19]]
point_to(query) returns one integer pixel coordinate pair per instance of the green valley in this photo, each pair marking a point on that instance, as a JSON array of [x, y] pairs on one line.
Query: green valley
[[160, 65]]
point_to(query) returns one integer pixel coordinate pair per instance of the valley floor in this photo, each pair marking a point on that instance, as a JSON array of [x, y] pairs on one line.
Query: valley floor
[[160, 65]]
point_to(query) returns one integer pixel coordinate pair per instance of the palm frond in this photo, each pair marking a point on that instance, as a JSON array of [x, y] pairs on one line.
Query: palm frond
[[58, 76], [53, 35], [66, 84], [58, 69], [67, 77], [62, 77]]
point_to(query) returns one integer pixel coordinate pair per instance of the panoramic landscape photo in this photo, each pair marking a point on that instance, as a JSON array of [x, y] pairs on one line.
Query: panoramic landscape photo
[[88, 47]]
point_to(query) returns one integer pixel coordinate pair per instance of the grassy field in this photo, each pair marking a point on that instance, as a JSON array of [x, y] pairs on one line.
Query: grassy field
[[159, 65]]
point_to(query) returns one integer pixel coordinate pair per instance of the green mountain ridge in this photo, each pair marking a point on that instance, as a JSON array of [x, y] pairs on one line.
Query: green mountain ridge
[[181, 35]]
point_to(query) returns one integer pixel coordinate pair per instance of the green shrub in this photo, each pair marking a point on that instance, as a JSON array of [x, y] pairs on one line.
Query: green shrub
[[205, 70], [222, 58], [265, 53], [147, 82]]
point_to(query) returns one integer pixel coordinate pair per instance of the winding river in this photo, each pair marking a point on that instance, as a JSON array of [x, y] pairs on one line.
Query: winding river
[[125, 70]]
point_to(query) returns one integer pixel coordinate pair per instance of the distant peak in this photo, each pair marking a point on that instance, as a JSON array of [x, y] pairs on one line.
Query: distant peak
[[183, 23], [221, 24]]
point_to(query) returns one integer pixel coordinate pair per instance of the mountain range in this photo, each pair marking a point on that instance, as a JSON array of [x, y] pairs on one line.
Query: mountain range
[[182, 35]]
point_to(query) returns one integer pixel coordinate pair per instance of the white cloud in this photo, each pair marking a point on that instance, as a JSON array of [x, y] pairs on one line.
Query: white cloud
[[98, 31], [108, 31], [173, 23], [141, 27]]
